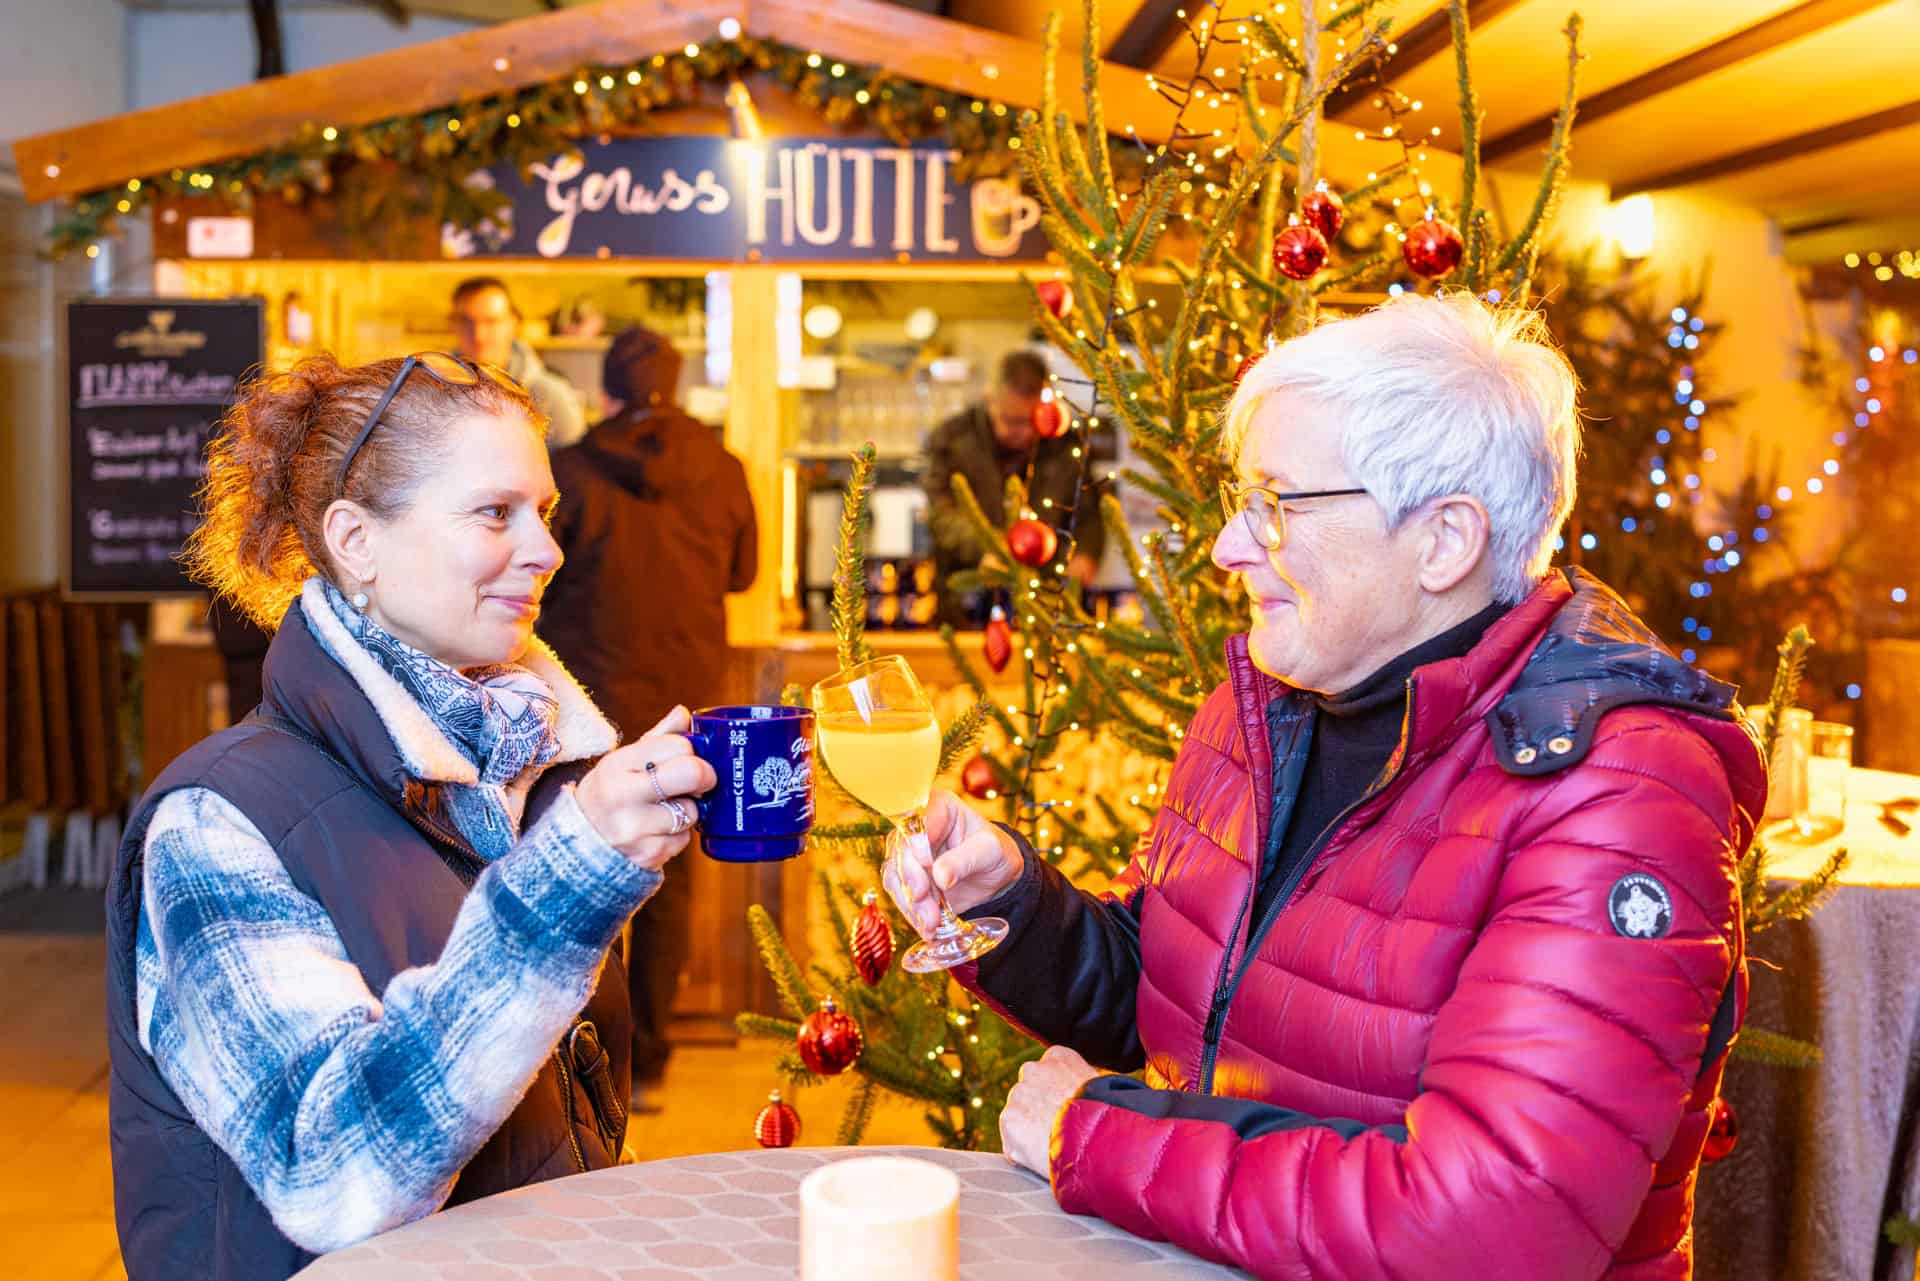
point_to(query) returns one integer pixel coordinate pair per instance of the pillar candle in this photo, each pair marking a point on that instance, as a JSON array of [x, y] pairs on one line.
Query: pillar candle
[[880, 1218]]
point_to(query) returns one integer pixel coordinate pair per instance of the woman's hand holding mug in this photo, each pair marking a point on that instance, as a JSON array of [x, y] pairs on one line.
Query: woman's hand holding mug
[[647, 813], [973, 860]]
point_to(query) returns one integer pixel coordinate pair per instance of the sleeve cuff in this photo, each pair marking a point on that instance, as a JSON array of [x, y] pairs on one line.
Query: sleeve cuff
[[1017, 903], [571, 883]]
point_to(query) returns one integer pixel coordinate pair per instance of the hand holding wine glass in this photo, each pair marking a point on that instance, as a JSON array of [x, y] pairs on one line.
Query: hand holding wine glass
[[882, 742]]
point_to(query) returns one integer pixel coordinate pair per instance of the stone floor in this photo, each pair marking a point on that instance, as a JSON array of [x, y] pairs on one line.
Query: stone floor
[[56, 1197]]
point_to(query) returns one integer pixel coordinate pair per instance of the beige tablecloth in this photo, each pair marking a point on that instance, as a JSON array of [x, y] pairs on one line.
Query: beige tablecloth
[[1827, 1154], [734, 1217]]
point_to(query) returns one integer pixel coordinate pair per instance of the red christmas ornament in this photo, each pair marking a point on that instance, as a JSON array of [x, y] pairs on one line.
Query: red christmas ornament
[[997, 642], [1032, 542], [1049, 420], [871, 940], [777, 1125], [1298, 252], [1433, 248], [1323, 211], [1056, 296], [1723, 1134], [829, 1040], [978, 780]]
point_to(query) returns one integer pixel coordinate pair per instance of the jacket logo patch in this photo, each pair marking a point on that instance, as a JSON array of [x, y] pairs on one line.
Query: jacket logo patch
[[1640, 907]]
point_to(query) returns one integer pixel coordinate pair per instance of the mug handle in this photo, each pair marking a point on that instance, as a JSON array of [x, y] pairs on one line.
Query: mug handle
[[703, 748]]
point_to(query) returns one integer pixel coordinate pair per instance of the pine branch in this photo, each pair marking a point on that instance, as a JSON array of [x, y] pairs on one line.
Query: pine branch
[[963, 733], [849, 833], [1757, 1045], [1554, 169], [1469, 116], [850, 564], [779, 962], [1802, 900], [853, 1123], [763, 1027]]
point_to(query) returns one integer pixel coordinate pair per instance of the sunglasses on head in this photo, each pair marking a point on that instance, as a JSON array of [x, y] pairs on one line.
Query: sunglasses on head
[[451, 370]]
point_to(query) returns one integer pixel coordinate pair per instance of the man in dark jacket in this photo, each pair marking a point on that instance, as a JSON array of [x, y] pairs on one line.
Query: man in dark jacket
[[987, 444], [657, 525]]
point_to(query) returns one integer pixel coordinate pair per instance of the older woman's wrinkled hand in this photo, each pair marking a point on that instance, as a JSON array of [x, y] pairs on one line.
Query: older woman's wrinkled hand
[[1046, 1085], [970, 859], [647, 814]]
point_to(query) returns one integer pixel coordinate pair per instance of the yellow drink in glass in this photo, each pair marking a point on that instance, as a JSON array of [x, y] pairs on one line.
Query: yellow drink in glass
[[885, 758]]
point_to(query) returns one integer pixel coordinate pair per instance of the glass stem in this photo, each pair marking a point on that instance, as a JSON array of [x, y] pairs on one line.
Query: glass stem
[[914, 828]]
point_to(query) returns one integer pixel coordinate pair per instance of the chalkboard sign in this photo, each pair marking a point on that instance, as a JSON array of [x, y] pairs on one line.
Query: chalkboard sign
[[147, 380]]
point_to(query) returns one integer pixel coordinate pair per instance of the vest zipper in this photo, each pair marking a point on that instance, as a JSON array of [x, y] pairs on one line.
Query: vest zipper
[[1223, 995], [566, 1103]]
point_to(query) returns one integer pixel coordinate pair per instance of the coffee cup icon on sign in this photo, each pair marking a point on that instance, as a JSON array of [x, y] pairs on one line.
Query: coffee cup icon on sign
[[1002, 216]]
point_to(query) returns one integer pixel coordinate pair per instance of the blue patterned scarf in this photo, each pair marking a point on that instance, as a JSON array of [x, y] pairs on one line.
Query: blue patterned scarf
[[501, 718]]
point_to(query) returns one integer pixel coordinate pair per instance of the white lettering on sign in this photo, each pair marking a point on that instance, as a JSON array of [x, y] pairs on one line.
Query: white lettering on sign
[[616, 188], [149, 382]]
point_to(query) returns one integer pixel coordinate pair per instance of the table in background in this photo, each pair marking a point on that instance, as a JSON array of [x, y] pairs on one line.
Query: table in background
[[734, 1216], [1827, 1154]]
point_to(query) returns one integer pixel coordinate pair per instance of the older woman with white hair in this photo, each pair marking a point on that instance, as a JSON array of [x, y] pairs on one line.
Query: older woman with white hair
[[1433, 953]]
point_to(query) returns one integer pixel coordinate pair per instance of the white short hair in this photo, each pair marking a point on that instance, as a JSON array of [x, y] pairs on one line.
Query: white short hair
[[1436, 396]]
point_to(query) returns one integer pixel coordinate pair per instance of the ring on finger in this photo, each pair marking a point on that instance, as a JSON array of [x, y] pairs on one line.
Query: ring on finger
[[681, 819], [653, 777]]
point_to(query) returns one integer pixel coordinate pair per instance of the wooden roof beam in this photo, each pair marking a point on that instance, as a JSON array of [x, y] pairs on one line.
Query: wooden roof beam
[[1425, 39], [259, 116], [1149, 33], [1743, 45], [1772, 153], [1829, 242]]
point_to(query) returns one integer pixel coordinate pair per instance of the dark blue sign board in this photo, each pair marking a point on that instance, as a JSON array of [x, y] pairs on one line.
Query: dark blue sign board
[[798, 200]]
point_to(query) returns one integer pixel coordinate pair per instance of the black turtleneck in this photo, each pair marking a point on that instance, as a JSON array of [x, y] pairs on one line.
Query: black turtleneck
[[1354, 734]]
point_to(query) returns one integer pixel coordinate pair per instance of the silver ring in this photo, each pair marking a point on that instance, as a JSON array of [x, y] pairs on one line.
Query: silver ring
[[681, 822], [653, 776]]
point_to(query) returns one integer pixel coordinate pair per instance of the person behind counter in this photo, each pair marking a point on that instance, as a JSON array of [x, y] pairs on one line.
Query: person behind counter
[[358, 945], [486, 328], [988, 443], [657, 524]]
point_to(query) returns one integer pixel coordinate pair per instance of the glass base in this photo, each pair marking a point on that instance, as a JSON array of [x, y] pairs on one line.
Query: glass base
[[944, 951]]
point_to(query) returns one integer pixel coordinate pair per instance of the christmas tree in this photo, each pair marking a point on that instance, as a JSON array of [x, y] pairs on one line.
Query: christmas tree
[[1234, 201], [1256, 234]]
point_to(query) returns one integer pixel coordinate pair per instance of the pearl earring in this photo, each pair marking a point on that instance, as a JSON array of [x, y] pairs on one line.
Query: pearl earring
[[360, 601]]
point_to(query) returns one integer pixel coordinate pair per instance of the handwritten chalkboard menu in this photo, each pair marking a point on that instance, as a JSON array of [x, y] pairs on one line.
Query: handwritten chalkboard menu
[[147, 380]]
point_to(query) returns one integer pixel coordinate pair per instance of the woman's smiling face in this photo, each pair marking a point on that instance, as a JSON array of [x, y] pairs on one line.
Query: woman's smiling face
[[459, 573]]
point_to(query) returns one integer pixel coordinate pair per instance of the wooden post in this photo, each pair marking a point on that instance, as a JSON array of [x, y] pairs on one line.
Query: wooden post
[[755, 436]]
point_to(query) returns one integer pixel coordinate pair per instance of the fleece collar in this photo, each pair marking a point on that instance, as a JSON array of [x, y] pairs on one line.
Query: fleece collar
[[426, 753]]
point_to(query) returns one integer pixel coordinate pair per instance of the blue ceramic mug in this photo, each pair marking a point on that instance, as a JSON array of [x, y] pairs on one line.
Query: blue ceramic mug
[[762, 807]]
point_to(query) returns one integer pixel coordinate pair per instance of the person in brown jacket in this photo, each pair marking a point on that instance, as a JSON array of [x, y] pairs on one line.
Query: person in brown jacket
[[658, 526]]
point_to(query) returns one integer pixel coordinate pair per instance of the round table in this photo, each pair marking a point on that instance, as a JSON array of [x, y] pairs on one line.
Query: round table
[[734, 1216]]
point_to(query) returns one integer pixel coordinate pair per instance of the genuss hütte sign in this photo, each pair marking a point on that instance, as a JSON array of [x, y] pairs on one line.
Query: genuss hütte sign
[[780, 200]]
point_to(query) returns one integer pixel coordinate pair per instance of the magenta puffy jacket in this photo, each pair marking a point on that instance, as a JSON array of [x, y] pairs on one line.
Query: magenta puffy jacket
[[1488, 1023]]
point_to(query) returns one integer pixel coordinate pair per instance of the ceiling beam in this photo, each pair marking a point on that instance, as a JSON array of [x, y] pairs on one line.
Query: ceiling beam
[[1749, 42], [1828, 243], [1772, 153], [1149, 33], [1427, 38]]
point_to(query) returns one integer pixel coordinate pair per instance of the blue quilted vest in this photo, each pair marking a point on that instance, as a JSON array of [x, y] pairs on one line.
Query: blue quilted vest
[[316, 772]]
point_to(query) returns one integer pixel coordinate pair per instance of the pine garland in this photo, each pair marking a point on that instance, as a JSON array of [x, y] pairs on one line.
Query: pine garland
[[397, 172]]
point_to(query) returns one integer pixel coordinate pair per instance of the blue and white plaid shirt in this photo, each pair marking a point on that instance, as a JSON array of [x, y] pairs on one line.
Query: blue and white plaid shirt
[[268, 1033]]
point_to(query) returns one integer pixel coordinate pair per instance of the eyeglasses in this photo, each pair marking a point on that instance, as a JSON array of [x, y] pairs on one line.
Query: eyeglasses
[[452, 370], [1261, 508]]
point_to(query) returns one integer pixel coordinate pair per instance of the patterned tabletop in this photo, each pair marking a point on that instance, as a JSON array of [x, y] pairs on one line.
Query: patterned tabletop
[[734, 1217]]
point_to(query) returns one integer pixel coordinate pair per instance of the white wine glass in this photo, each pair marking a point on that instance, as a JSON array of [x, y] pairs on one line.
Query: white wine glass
[[882, 742]]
